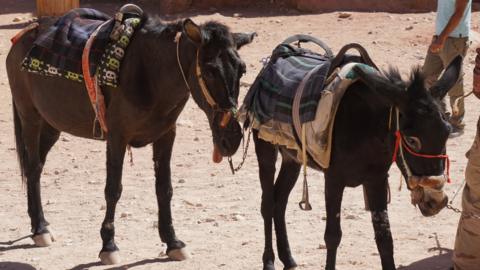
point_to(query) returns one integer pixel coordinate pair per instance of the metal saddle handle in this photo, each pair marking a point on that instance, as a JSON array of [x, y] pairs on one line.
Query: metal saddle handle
[[300, 38], [131, 8], [342, 57]]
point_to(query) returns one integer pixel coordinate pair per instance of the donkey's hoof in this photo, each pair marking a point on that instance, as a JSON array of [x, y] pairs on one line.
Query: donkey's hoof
[[291, 268], [109, 258], [43, 240], [180, 254]]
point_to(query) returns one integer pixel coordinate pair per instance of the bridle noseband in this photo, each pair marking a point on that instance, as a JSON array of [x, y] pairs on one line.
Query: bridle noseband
[[400, 145]]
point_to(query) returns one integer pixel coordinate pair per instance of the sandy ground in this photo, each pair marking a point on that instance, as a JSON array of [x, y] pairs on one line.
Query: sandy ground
[[218, 214]]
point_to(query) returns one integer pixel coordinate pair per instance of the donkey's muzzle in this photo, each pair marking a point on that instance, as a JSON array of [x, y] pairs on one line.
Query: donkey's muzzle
[[427, 192]]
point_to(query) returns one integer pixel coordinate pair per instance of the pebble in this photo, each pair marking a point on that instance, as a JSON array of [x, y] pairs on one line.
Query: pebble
[[103, 207], [322, 246], [17, 19], [196, 139], [351, 217], [344, 15], [409, 27], [181, 181], [237, 217], [124, 215]]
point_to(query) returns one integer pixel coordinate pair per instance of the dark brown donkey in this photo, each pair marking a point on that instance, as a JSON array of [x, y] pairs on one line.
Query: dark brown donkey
[[366, 137], [142, 110]]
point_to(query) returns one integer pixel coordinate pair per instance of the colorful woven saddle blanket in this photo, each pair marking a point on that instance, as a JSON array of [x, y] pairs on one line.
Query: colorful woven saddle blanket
[[58, 51], [272, 93]]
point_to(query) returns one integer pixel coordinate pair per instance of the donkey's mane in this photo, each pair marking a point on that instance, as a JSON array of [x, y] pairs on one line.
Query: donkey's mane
[[156, 26], [213, 32], [416, 81]]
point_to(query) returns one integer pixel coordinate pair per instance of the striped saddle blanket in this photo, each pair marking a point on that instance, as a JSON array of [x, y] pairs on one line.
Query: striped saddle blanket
[[271, 95]]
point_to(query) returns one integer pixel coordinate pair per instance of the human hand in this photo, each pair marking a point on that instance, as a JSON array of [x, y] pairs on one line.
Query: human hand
[[476, 82], [437, 44], [476, 75]]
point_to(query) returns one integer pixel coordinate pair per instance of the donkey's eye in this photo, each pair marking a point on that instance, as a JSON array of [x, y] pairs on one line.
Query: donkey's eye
[[208, 74], [413, 142]]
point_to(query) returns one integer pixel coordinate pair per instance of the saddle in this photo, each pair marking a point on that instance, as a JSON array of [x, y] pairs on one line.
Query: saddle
[[86, 45], [271, 94], [293, 100]]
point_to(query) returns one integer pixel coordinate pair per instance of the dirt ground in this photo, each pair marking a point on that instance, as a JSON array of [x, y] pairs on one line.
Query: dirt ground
[[218, 214]]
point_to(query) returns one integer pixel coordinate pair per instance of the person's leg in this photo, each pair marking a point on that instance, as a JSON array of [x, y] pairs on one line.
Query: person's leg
[[466, 255], [453, 48], [432, 67]]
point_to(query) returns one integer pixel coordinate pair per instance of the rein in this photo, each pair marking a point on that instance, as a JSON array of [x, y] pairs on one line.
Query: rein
[[244, 155], [455, 104], [400, 145]]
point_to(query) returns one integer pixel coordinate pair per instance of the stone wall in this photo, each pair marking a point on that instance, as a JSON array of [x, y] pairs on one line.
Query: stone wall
[[365, 5], [173, 6]]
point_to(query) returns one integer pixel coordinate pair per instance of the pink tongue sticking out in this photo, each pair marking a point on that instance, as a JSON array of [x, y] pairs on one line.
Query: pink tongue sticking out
[[216, 156]]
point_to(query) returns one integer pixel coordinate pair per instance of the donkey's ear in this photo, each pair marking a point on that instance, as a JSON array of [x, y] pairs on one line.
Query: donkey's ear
[[449, 78], [386, 90], [193, 32], [242, 39]]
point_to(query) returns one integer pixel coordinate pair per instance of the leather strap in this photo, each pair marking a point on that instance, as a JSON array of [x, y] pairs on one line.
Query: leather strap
[[94, 92]]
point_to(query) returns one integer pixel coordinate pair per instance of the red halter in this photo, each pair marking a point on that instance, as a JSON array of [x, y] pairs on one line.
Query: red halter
[[399, 143]]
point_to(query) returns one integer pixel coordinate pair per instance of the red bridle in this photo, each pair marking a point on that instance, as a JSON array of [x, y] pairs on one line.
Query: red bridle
[[399, 143]]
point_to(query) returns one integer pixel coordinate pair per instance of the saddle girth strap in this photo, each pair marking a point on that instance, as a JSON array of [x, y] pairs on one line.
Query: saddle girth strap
[[300, 130], [93, 89]]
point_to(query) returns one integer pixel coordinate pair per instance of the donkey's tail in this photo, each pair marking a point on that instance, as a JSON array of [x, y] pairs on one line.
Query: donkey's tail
[[20, 145]]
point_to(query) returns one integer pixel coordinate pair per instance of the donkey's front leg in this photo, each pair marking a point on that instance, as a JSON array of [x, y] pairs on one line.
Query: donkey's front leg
[[162, 153], [266, 156], [113, 190], [377, 194], [333, 232]]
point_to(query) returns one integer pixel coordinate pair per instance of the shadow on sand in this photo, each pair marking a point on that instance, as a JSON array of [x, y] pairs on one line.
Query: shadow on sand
[[443, 261], [121, 267], [16, 266]]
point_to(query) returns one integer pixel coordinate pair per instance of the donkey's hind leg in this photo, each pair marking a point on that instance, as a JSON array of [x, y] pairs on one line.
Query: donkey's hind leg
[[266, 156], [333, 231], [287, 177], [48, 137], [377, 194], [38, 138]]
